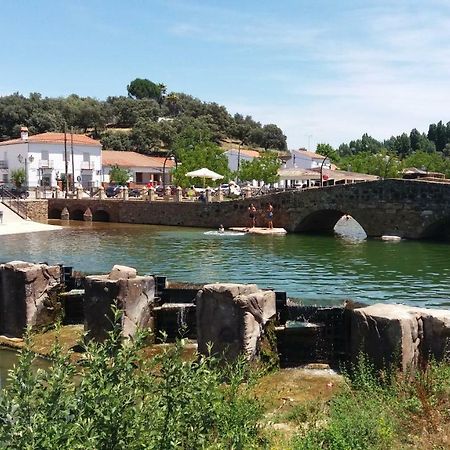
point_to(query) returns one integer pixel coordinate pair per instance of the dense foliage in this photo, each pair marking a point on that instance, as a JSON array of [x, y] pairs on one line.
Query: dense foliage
[[427, 151], [124, 401], [119, 175], [144, 121]]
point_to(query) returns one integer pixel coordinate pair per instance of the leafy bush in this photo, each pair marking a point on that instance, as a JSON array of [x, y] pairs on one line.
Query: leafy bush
[[117, 399]]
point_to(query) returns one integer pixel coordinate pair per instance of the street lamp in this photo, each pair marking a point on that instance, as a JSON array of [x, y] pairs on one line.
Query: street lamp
[[25, 160], [321, 170], [172, 157]]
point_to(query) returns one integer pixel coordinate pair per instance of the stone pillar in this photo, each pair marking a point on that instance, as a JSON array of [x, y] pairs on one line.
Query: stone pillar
[[232, 317], [124, 192], [38, 193], [179, 195], [57, 192], [27, 296], [135, 296], [65, 214], [101, 193], [247, 191], [79, 192], [151, 194], [208, 195], [87, 216]]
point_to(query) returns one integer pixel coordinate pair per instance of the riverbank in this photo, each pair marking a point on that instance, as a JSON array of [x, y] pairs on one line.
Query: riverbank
[[11, 223], [302, 408]]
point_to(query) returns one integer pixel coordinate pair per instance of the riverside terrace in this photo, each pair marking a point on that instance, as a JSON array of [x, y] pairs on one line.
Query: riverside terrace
[[405, 208]]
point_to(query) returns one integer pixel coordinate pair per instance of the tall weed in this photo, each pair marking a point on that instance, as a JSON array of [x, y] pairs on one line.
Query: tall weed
[[115, 399]]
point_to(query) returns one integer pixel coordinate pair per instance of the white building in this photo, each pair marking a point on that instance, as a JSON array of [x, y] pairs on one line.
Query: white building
[[236, 156], [304, 159], [143, 169], [47, 157]]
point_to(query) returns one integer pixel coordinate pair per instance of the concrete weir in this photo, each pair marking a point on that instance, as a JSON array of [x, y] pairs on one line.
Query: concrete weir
[[228, 319]]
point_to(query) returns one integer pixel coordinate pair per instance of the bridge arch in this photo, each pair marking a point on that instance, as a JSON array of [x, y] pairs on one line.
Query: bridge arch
[[440, 229], [76, 214], [100, 215], [54, 213]]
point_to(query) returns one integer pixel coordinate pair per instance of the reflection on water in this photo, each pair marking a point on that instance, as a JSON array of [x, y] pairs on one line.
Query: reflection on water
[[316, 269]]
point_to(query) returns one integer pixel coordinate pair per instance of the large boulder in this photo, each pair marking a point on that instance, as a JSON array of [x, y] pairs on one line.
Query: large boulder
[[231, 319], [28, 296], [134, 295], [399, 334]]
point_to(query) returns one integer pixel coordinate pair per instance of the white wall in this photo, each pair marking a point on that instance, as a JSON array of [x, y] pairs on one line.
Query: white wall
[[233, 158], [301, 160]]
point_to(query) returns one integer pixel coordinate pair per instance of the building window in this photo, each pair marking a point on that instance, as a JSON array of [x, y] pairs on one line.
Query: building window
[[139, 177]]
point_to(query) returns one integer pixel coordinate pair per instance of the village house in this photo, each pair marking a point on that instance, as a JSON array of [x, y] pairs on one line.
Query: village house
[[47, 157], [143, 169], [236, 156]]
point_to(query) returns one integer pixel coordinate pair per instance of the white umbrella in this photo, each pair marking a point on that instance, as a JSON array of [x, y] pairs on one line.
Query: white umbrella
[[204, 173]]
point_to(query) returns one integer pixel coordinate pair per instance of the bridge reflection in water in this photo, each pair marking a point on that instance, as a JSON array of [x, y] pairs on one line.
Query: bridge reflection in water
[[315, 268]]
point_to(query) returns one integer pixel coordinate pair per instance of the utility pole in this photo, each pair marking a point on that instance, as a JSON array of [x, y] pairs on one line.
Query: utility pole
[[73, 162], [66, 180]]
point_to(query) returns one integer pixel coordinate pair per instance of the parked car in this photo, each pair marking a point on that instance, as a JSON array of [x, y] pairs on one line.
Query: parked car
[[11, 190], [114, 189], [230, 189]]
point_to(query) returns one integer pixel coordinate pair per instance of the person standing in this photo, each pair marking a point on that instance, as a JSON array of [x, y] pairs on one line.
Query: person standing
[[270, 216], [252, 215]]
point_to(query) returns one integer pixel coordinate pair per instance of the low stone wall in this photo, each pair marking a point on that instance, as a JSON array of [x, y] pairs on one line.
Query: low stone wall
[[37, 210]]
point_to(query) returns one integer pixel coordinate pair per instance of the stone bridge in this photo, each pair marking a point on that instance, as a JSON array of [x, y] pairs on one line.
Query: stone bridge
[[406, 208]]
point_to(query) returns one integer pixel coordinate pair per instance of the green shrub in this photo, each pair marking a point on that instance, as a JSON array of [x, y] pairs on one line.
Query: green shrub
[[116, 399]]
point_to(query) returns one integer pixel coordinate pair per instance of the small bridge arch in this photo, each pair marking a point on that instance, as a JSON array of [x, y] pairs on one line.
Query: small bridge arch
[[100, 215]]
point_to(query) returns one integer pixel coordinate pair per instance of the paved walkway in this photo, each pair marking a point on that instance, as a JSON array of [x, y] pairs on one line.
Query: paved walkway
[[14, 224]]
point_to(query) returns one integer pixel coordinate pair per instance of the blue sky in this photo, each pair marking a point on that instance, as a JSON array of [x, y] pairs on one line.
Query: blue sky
[[323, 70]]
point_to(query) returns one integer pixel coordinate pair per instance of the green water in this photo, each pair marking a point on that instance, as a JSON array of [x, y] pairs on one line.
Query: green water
[[316, 269]]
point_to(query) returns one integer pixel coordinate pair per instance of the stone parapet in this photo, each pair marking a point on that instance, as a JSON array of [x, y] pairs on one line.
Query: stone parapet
[[27, 296], [231, 318]]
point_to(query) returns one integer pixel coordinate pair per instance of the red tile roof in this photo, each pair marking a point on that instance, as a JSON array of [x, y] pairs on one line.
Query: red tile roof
[[245, 152], [133, 159], [56, 138]]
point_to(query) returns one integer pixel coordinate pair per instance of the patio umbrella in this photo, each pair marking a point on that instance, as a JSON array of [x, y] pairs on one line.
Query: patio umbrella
[[204, 173]]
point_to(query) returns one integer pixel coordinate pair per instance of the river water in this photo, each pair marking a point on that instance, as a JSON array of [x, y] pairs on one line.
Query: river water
[[315, 269]]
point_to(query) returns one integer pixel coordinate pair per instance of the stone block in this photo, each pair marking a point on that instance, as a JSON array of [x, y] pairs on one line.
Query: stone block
[[232, 318], [118, 272], [135, 296], [27, 296], [390, 333]]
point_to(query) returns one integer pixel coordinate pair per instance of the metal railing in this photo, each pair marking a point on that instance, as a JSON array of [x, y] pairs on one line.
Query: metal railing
[[14, 203]]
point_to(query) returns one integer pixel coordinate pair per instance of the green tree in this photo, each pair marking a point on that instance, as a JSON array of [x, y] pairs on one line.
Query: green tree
[[203, 154], [265, 168], [142, 88], [18, 176], [119, 175], [273, 137]]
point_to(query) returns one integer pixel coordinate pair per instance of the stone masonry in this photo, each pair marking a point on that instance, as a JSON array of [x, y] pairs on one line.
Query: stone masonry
[[27, 296], [406, 208], [231, 319], [133, 294], [407, 335]]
